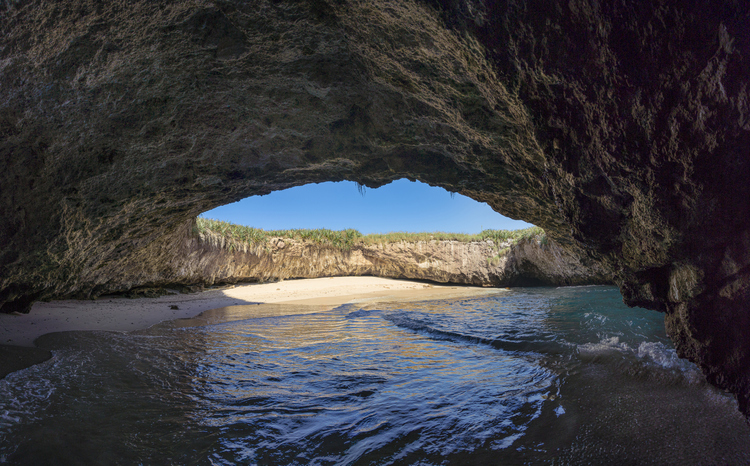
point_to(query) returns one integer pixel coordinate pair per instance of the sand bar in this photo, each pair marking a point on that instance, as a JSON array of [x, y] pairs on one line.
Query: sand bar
[[123, 314]]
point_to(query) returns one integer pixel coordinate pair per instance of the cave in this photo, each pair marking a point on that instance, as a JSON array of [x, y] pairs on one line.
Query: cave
[[622, 129]]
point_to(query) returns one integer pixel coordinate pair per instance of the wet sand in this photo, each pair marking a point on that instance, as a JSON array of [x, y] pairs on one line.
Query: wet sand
[[18, 331]]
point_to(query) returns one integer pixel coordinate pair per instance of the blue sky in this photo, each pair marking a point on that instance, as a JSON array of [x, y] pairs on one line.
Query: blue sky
[[400, 206]]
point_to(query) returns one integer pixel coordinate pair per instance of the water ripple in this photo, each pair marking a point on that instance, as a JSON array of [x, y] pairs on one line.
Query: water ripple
[[523, 377]]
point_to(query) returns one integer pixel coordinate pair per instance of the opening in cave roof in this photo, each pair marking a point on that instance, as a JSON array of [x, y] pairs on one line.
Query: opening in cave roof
[[402, 205]]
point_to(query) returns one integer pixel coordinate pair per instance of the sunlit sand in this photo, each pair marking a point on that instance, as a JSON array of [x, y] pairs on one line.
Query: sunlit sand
[[123, 314]]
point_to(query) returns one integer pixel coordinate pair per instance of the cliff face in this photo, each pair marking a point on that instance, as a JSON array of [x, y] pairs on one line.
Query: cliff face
[[622, 128], [209, 258]]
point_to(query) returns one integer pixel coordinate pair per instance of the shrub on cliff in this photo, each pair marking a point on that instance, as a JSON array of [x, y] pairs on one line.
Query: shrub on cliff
[[346, 239]]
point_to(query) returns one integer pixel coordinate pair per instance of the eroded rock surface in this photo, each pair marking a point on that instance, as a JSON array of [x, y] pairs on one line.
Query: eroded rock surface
[[622, 128], [207, 258]]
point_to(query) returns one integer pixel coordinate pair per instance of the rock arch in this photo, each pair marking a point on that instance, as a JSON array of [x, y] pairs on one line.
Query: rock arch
[[622, 129]]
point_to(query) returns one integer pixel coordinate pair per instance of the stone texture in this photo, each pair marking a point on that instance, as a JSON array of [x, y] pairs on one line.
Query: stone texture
[[208, 258], [622, 128]]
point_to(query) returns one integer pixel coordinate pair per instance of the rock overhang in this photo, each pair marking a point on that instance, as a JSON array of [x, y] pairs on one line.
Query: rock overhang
[[622, 129]]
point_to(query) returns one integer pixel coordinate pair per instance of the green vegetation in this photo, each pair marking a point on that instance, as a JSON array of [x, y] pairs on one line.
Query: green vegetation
[[345, 239], [495, 260]]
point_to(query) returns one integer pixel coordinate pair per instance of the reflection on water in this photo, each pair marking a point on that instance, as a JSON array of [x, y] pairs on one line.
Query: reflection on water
[[529, 376]]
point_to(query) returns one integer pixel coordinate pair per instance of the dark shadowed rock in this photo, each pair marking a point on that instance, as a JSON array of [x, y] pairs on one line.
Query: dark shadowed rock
[[622, 128]]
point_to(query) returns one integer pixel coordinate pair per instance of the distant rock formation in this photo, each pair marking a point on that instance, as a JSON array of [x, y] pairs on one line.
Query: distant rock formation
[[208, 258]]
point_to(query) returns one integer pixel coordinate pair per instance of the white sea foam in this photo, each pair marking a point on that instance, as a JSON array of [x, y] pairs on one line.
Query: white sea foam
[[604, 346], [660, 355], [652, 354], [23, 393], [506, 442]]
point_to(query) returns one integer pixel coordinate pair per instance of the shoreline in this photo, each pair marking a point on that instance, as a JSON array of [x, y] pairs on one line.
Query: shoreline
[[118, 314]]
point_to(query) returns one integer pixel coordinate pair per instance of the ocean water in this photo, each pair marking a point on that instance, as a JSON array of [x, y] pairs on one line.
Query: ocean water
[[527, 376]]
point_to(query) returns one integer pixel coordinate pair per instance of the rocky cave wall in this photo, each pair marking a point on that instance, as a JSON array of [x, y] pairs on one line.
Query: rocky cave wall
[[622, 128]]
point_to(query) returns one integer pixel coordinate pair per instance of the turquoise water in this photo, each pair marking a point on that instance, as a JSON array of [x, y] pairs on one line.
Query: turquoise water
[[528, 376]]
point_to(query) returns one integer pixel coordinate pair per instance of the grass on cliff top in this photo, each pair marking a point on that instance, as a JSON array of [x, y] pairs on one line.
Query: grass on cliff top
[[345, 239]]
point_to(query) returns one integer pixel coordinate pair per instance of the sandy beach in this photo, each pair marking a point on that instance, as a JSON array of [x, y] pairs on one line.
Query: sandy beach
[[122, 314]]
